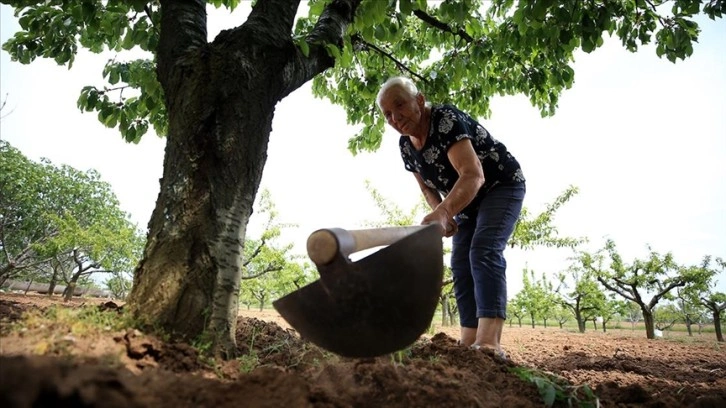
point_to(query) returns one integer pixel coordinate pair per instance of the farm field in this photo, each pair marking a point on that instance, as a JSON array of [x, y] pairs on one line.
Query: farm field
[[48, 357]]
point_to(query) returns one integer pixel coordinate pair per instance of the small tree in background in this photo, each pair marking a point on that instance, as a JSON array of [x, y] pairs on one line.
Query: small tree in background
[[714, 302], [516, 308], [532, 295], [633, 314], [119, 284], [562, 315], [583, 297], [265, 258], [666, 315], [610, 309], [689, 305]]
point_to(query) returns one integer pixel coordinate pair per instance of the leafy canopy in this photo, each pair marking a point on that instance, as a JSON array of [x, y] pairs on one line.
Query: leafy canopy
[[50, 213], [461, 52]]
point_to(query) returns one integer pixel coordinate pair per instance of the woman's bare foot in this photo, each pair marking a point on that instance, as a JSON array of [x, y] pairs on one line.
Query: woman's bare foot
[[496, 351]]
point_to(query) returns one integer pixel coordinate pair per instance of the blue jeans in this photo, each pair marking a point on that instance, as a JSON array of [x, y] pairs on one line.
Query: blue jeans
[[477, 257]]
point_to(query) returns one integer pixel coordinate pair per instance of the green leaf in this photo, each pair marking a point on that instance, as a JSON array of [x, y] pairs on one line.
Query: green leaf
[[549, 395], [303, 45], [405, 7]]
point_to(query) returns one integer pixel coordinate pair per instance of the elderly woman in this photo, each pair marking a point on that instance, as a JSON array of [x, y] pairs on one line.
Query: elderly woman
[[475, 188]]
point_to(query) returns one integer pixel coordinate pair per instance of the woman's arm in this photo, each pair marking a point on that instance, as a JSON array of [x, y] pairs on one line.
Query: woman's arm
[[432, 197], [471, 177]]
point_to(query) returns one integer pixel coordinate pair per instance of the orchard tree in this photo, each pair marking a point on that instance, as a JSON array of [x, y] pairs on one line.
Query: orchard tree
[[533, 231], [58, 222], [265, 257], [215, 100], [533, 296], [562, 315], [550, 300], [516, 308], [665, 315], [716, 304], [689, 305], [633, 314], [610, 309], [23, 215], [119, 284], [296, 274], [580, 293], [656, 275]]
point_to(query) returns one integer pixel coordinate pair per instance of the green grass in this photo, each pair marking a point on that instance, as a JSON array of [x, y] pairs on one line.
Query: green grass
[[556, 389], [78, 321]]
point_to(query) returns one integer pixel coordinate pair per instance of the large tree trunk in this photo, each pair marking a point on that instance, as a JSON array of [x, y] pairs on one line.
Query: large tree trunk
[[220, 100], [215, 154]]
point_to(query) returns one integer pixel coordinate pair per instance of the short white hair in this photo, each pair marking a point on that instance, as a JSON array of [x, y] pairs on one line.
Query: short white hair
[[399, 81]]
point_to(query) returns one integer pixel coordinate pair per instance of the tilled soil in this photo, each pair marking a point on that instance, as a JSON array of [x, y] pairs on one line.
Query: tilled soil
[[48, 366]]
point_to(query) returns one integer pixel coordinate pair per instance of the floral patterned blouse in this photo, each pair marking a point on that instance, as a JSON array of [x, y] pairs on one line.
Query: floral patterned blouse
[[448, 126]]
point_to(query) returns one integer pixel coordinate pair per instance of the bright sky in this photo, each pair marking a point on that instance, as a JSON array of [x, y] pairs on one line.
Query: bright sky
[[643, 139]]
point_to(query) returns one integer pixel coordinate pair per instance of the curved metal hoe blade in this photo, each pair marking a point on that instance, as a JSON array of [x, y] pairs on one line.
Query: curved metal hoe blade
[[377, 305]]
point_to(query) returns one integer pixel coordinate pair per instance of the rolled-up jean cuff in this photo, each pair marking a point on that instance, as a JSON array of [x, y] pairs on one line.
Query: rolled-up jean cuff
[[492, 314], [470, 325]]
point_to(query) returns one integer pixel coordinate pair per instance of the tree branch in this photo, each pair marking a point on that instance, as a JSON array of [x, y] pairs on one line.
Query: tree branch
[[255, 253], [273, 18], [183, 25], [329, 29], [432, 21], [615, 289], [359, 40], [665, 290], [268, 268], [655, 11]]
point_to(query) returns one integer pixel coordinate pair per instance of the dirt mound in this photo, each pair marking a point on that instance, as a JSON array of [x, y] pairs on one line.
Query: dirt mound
[[44, 365]]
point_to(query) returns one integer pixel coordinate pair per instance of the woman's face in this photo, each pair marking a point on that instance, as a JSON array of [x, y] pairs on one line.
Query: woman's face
[[402, 111]]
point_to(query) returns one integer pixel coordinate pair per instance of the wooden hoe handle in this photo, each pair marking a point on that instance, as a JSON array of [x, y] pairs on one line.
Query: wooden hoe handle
[[324, 244]]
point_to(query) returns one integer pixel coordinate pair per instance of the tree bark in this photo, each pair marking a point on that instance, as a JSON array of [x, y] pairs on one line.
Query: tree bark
[[69, 291], [580, 321], [444, 311], [220, 99], [649, 324], [717, 325]]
